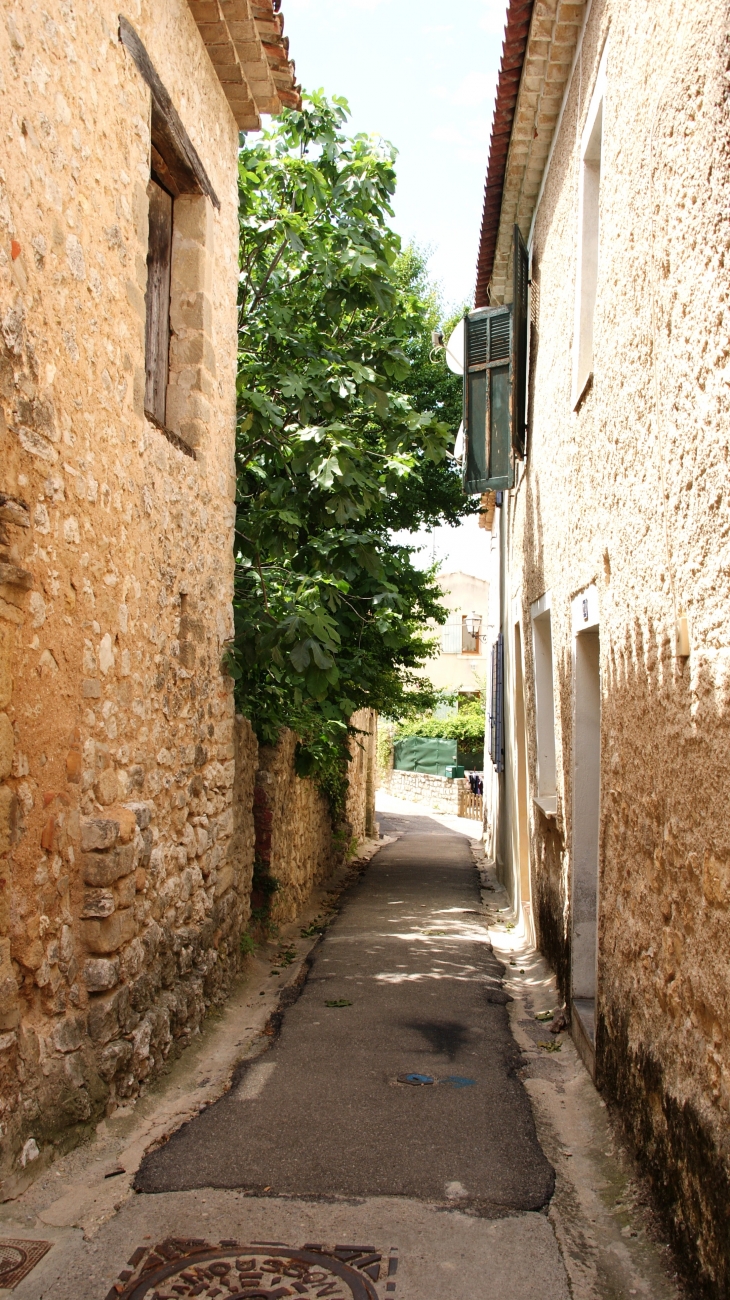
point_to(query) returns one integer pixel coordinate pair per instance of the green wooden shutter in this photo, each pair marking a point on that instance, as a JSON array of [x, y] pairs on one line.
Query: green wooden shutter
[[520, 276], [488, 350]]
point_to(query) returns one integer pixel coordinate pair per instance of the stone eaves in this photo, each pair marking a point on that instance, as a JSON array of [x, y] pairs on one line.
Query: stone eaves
[[547, 59], [247, 47]]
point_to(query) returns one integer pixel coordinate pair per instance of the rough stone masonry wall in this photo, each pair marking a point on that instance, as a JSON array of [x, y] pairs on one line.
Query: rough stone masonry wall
[[631, 493], [439, 792], [119, 900], [360, 802], [296, 841], [294, 833]]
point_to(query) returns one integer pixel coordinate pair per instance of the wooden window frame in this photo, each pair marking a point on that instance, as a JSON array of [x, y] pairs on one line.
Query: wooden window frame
[[175, 169]]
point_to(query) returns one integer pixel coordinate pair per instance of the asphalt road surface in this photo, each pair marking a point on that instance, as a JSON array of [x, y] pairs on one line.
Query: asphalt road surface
[[324, 1112]]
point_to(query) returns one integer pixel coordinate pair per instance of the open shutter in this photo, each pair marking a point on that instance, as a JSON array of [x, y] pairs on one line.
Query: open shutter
[[496, 705], [488, 350], [520, 276]]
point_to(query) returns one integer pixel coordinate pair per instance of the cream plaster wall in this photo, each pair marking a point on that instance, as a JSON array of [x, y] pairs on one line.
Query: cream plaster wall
[[630, 493]]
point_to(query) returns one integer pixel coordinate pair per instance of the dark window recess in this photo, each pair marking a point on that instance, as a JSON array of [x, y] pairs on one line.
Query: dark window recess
[[496, 705], [157, 302], [488, 465], [495, 386]]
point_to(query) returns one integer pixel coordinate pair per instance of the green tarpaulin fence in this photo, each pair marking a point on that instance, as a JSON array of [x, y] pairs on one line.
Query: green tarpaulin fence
[[433, 755]]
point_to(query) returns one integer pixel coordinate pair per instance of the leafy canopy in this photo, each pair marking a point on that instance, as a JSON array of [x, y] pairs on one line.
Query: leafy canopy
[[343, 430]]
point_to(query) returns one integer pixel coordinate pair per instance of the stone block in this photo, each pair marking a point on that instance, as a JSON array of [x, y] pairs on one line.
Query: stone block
[[8, 994], [91, 688], [142, 814], [226, 877], [106, 1010], [98, 903], [7, 744], [7, 642], [101, 869], [100, 974], [110, 933], [68, 1034], [125, 890], [107, 787], [114, 1058], [193, 219], [8, 813], [190, 311], [98, 833]]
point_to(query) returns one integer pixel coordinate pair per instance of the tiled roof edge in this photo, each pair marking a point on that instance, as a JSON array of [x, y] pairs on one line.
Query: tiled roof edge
[[517, 30]]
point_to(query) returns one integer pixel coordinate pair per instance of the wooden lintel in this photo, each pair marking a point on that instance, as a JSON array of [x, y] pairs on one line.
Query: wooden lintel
[[171, 139]]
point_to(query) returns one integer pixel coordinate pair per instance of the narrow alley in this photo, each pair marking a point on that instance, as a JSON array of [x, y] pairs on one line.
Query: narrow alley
[[386, 1103], [364, 686]]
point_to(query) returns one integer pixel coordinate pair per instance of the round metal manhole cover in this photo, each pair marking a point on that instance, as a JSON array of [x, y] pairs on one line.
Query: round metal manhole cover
[[11, 1257], [232, 1272]]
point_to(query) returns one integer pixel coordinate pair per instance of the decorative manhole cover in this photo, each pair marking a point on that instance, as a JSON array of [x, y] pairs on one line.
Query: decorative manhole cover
[[18, 1257], [182, 1267]]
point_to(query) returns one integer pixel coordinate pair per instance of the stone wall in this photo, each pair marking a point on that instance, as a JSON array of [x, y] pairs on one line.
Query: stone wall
[[627, 495], [119, 894], [438, 792], [294, 835], [360, 804]]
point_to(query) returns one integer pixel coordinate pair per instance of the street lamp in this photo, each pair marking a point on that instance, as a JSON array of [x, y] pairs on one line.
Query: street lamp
[[473, 624]]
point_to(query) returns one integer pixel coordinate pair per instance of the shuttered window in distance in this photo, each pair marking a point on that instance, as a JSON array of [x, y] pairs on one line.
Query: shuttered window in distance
[[496, 705], [488, 353]]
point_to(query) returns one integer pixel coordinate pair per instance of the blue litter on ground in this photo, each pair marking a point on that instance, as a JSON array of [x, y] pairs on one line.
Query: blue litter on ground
[[458, 1081], [416, 1078]]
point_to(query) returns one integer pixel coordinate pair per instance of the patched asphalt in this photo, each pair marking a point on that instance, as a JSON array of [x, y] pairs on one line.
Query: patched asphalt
[[321, 1114]]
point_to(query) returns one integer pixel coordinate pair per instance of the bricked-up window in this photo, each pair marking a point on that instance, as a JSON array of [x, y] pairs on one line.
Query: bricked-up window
[[157, 301]]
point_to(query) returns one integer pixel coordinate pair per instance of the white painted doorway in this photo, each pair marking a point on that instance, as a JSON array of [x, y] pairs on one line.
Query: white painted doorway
[[586, 807]]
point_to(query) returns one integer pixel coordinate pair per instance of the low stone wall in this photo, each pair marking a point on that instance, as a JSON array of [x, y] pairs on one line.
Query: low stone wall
[[360, 804], [151, 937], [440, 793], [294, 837]]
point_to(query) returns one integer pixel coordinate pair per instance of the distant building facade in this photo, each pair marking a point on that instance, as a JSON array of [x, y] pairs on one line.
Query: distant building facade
[[461, 665], [608, 803]]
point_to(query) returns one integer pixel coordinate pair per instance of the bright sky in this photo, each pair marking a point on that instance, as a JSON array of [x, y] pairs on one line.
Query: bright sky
[[422, 74]]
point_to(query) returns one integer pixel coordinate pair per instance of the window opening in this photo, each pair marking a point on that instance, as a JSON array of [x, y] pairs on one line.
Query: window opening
[[542, 641], [586, 813], [157, 301], [469, 640], [588, 238], [496, 705], [523, 829]]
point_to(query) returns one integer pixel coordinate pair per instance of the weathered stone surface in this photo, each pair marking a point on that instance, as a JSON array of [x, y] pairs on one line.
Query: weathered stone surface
[[98, 833], [100, 974], [68, 1034], [8, 810], [7, 744], [623, 502], [105, 868], [98, 903], [107, 1011], [142, 814], [108, 934]]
